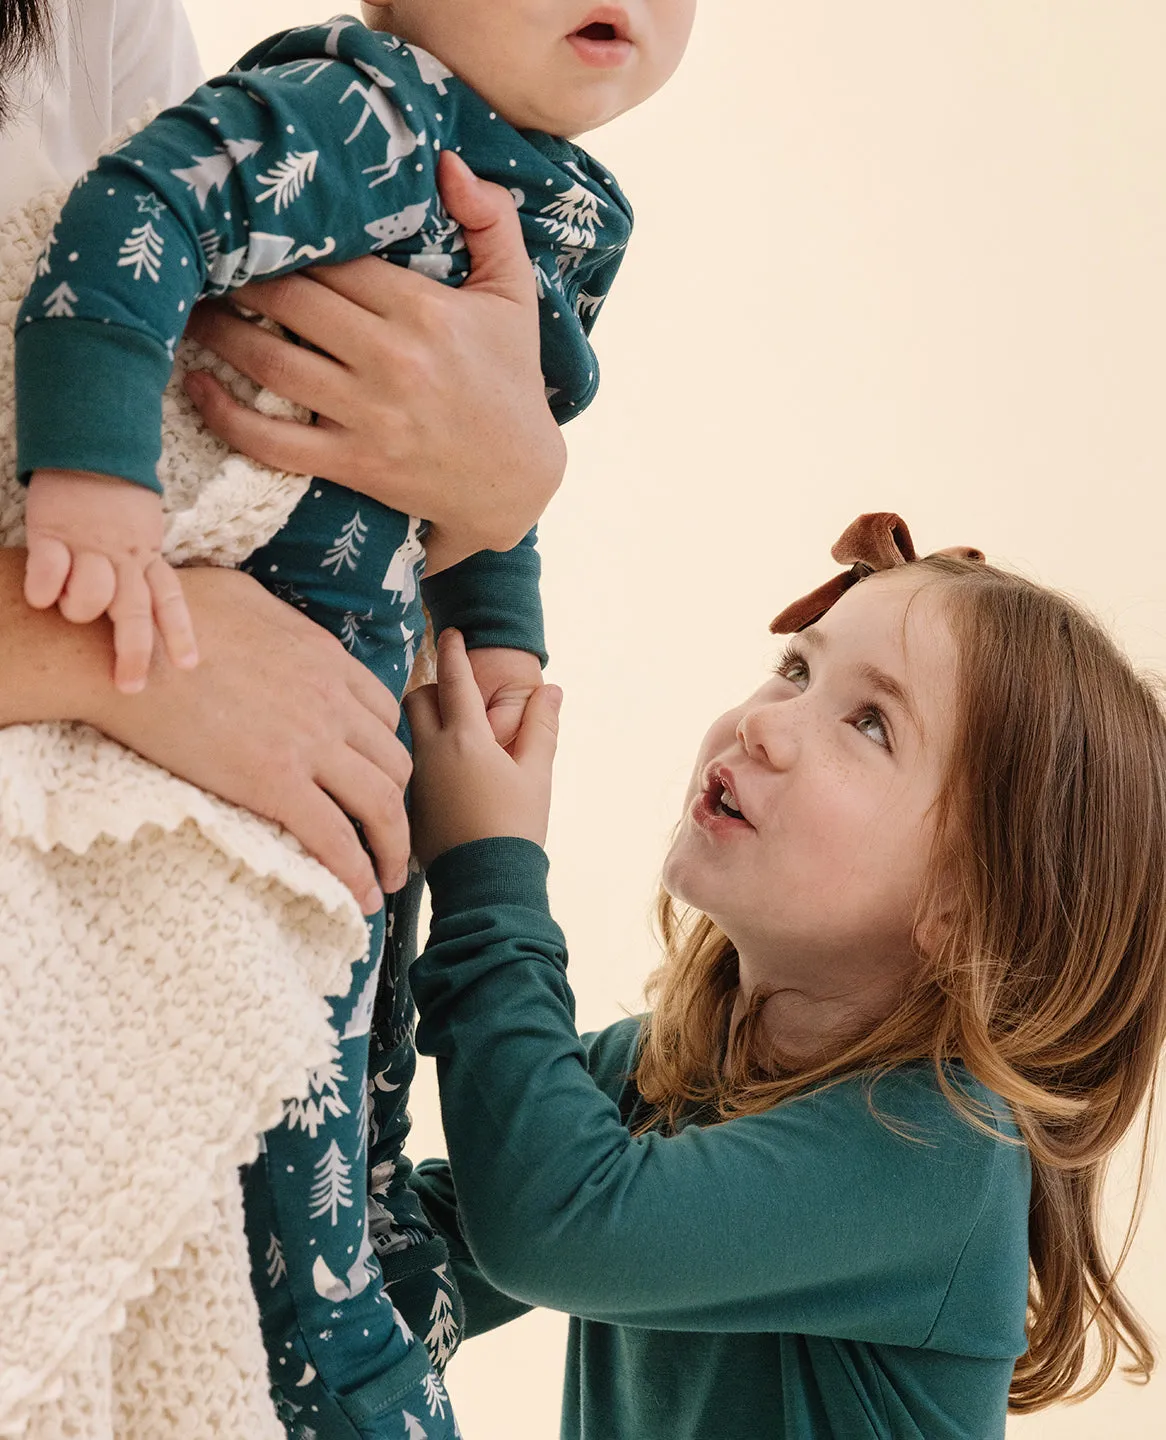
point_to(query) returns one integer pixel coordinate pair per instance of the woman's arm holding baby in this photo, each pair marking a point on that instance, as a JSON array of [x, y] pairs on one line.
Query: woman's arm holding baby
[[328, 747]]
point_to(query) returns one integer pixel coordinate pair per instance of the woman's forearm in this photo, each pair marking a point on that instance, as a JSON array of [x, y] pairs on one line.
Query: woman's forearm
[[49, 668]]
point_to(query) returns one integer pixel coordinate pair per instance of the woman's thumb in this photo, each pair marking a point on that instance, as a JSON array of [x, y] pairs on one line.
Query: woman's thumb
[[493, 235]]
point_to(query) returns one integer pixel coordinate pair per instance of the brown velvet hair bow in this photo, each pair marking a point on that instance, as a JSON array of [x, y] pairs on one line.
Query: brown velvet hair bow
[[878, 541]]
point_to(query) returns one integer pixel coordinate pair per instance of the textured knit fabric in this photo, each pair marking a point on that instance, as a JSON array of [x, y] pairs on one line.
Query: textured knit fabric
[[165, 958], [807, 1273]]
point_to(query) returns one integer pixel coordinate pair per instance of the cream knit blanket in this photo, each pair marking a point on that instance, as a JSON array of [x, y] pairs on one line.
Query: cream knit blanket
[[163, 962]]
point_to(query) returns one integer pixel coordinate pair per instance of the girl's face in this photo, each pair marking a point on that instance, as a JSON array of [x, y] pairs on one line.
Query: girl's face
[[834, 765], [563, 66]]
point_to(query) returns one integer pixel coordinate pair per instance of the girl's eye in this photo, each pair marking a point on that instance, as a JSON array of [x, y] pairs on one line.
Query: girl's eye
[[871, 722], [792, 667]]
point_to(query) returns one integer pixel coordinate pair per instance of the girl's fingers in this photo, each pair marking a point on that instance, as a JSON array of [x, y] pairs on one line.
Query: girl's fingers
[[538, 735], [132, 613], [90, 588], [47, 570], [171, 614], [458, 695], [424, 713]]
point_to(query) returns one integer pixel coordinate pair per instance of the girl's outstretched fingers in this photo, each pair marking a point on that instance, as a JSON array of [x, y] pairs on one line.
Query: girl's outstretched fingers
[[538, 735], [458, 696]]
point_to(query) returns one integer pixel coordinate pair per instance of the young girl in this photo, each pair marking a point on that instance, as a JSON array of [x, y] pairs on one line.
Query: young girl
[[843, 1180]]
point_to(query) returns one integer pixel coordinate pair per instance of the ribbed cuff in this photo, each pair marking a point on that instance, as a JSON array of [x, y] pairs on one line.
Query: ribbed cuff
[[487, 873], [493, 599], [89, 397]]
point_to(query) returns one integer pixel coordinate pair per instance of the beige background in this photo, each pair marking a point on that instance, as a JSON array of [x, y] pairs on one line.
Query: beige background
[[900, 256]]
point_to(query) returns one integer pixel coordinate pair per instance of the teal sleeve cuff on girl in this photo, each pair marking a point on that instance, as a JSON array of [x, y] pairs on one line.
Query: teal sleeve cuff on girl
[[486, 874]]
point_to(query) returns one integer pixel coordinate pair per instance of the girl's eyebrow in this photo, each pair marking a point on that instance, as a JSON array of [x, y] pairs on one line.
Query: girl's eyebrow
[[877, 679]]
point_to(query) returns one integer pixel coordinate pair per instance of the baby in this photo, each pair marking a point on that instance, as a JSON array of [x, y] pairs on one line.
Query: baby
[[322, 144]]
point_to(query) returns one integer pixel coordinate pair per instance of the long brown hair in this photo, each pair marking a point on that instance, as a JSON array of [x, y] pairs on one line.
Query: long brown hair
[[1049, 980]]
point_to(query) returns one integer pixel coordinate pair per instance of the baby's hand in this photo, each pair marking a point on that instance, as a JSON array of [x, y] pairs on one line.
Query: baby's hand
[[507, 679], [95, 548], [465, 785]]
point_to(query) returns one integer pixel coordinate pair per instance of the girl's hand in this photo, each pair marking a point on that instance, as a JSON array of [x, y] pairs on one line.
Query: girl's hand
[[280, 719], [465, 786], [506, 679], [430, 399]]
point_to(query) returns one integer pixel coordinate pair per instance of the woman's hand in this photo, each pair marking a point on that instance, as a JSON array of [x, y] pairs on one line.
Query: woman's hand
[[465, 786], [430, 399], [278, 717]]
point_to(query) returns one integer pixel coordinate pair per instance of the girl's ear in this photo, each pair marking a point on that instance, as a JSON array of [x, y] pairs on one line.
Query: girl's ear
[[934, 926]]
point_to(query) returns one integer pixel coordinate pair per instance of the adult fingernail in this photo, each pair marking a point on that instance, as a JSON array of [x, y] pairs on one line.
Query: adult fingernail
[[555, 696], [373, 901]]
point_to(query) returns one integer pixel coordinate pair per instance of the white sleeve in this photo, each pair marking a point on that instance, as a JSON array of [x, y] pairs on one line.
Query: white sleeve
[[154, 57]]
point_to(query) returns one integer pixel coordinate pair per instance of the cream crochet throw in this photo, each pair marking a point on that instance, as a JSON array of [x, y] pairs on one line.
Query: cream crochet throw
[[164, 959]]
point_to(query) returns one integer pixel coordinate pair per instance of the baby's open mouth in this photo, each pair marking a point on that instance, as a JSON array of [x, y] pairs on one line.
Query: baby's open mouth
[[597, 31]]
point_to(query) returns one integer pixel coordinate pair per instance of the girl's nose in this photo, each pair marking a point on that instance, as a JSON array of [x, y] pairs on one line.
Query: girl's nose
[[768, 734]]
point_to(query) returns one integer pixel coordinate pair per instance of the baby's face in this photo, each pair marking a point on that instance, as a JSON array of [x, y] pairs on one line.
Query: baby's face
[[563, 66]]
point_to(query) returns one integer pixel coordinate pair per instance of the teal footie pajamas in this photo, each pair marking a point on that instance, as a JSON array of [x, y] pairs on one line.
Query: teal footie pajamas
[[321, 146], [803, 1274]]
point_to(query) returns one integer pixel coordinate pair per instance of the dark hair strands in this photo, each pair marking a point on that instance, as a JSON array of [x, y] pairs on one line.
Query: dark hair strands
[[25, 30], [1048, 979]]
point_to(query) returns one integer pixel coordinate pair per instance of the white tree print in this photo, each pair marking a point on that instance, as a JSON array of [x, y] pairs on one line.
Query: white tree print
[[587, 305], [414, 1430], [60, 303], [44, 259], [402, 1324], [142, 249], [323, 1100], [442, 1332], [286, 179], [360, 1021], [332, 1189], [435, 1396], [572, 217], [211, 245], [570, 257], [276, 1264], [211, 172], [350, 628], [346, 547]]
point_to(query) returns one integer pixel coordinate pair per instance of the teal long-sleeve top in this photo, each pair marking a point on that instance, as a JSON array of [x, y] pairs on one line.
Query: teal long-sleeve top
[[804, 1273]]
